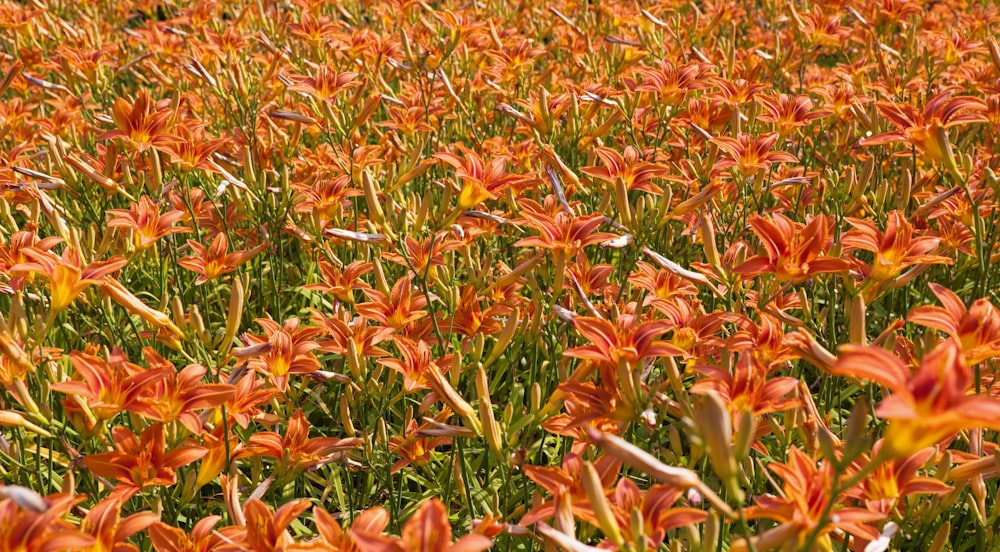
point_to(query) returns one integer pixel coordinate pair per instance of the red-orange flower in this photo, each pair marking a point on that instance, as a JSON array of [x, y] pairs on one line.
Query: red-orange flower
[[627, 341], [29, 530], [67, 278], [105, 523], [925, 129], [290, 350], [427, 531], [896, 248], [213, 261], [295, 451], [794, 252], [976, 329], [179, 395], [635, 173], [110, 387], [146, 222], [926, 405], [480, 181], [143, 123], [137, 463], [801, 510]]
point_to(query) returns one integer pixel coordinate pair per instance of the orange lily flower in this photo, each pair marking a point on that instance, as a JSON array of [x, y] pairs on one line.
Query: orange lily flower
[[30, 530], [750, 152], [568, 480], [251, 392], [893, 480], [295, 451], [748, 387], [137, 463], [341, 283], [105, 524], [325, 83], [415, 360], [178, 395], [789, 112], [290, 350], [428, 530], [563, 232], [413, 447], [794, 252], [190, 148], [264, 530], [333, 538], [479, 180], [67, 278], [14, 252], [628, 340], [925, 129], [213, 261], [805, 497], [146, 222], [339, 334], [976, 329], [111, 387], [202, 538], [635, 173], [895, 249], [143, 123], [397, 310], [926, 405], [420, 256], [219, 454], [470, 319], [644, 516]]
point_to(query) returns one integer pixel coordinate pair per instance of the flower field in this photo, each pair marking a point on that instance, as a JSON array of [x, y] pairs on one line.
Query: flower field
[[432, 276]]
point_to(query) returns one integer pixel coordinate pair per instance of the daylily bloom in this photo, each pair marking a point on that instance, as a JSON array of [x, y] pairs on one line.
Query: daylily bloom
[[213, 261], [137, 463], [926, 405], [428, 530], [976, 329], [636, 174], [290, 350], [397, 310], [326, 83], [563, 232], [295, 451], [893, 480], [341, 283], [644, 516], [414, 362], [31, 530], [629, 340], [110, 387], [749, 152], [794, 252], [896, 249], [926, 130], [143, 123], [110, 530], [148, 225], [265, 530], [67, 278], [179, 395], [202, 538], [748, 387], [567, 480], [480, 181], [800, 510], [333, 538], [414, 448]]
